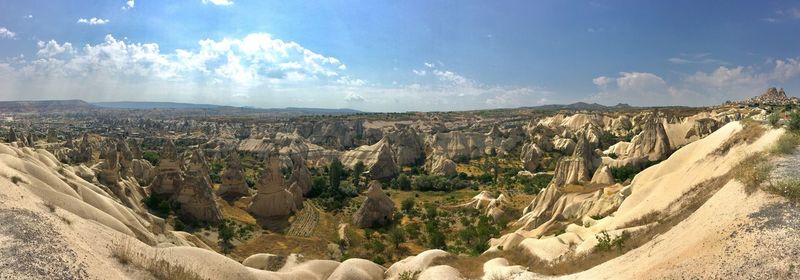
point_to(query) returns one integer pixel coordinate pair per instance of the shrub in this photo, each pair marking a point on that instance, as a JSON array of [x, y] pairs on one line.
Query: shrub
[[773, 119], [407, 205], [789, 188], [151, 156], [752, 171], [533, 185], [403, 182], [606, 243], [16, 180], [396, 236], [794, 122], [786, 143]]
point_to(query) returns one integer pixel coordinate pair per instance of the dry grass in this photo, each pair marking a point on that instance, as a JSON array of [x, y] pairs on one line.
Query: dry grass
[[752, 171], [157, 264], [786, 144], [788, 188], [750, 132]]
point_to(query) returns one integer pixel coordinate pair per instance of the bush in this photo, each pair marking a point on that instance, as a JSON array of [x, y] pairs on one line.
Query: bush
[[533, 185], [786, 143], [403, 182], [789, 188], [606, 243], [426, 183], [752, 171], [773, 119], [461, 159], [151, 156], [794, 122], [407, 205]]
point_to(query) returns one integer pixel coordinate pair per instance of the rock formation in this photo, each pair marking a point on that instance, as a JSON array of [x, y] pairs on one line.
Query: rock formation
[[272, 198], [195, 194], [377, 158], [233, 183], [530, 156], [377, 210], [300, 175]]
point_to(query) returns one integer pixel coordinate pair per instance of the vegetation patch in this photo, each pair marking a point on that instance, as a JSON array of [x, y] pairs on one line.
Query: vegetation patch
[[788, 188], [752, 171], [786, 144]]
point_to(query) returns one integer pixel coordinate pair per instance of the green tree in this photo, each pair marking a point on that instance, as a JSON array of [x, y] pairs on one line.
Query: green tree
[[794, 122], [403, 182], [358, 169], [335, 173], [396, 236], [773, 119], [407, 205]]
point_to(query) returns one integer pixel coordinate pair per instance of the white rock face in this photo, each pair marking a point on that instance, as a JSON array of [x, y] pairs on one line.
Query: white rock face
[[603, 176], [377, 158]]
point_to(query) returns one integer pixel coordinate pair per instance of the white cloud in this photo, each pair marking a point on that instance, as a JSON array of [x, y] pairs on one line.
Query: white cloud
[[52, 48], [449, 76], [219, 2], [419, 72], [429, 65], [5, 33], [630, 81], [354, 97], [601, 81], [702, 58], [93, 21], [129, 5], [29, 16], [701, 88]]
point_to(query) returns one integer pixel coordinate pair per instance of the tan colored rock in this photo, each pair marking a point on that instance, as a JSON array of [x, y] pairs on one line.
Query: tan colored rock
[[530, 155], [233, 182], [377, 210], [272, 198], [603, 176], [377, 158]]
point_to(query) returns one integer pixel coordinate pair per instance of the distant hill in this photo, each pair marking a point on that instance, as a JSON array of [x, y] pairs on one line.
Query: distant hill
[[153, 105], [133, 105], [583, 106], [44, 106]]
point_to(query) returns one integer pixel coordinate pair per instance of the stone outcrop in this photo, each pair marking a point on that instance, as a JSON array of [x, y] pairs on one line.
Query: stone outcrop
[[579, 167], [300, 175], [377, 210], [603, 176], [530, 155], [440, 165], [652, 143], [169, 177], [377, 158], [196, 194], [233, 183], [406, 145], [272, 198]]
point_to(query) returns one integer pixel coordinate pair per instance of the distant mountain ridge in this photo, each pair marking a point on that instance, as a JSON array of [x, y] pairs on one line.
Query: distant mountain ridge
[[154, 105], [34, 106]]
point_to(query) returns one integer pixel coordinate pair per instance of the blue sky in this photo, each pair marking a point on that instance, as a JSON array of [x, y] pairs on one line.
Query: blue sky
[[398, 55]]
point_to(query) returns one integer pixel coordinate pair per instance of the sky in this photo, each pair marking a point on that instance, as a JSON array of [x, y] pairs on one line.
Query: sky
[[393, 56]]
